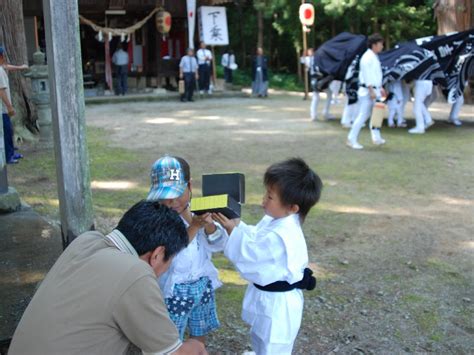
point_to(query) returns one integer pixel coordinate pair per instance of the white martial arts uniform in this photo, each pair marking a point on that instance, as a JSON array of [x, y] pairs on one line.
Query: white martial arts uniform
[[395, 104], [370, 74], [273, 250], [422, 91]]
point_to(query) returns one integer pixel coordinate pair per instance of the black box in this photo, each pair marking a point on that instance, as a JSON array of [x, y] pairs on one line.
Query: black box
[[232, 184]]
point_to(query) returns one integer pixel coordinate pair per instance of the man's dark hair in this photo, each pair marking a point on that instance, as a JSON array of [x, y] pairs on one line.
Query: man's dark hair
[[373, 39], [296, 184], [148, 225]]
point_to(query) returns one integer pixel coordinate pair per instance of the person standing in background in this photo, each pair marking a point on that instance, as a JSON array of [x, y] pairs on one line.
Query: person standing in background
[[188, 70], [260, 74], [228, 62], [204, 59], [370, 89], [120, 60], [7, 108]]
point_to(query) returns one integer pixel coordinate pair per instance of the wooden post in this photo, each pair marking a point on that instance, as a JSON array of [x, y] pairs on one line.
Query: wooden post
[[3, 163], [67, 106], [305, 48], [214, 73], [36, 34], [305, 72]]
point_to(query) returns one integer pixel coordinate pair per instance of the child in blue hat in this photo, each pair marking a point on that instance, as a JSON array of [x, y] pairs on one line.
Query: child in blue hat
[[188, 285]]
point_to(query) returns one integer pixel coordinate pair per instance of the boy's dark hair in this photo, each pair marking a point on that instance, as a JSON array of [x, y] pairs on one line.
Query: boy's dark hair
[[373, 39], [296, 183], [186, 169], [148, 225]]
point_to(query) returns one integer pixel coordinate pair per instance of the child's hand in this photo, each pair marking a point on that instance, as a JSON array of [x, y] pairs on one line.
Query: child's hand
[[228, 224], [202, 220]]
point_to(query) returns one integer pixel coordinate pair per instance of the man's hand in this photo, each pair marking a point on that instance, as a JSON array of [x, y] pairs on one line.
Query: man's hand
[[383, 92], [191, 347], [11, 111], [228, 224]]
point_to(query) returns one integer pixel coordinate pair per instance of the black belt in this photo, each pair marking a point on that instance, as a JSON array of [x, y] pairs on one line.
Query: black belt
[[307, 283], [373, 87]]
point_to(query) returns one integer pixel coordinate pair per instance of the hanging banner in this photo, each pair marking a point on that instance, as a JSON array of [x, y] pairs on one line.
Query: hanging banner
[[191, 7], [213, 25]]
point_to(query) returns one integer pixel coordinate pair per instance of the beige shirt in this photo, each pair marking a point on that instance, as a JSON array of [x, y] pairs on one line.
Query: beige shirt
[[96, 300], [4, 84]]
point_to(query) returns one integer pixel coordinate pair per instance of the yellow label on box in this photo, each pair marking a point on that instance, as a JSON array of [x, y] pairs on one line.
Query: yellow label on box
[[209, 202]]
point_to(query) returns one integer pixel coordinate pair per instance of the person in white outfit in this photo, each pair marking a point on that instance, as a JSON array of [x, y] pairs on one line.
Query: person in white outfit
[[350, 113], [309, 66], [395, 104], [335, 87], [455, 109], [204, 59], [273, 257], [370, 89], [422, 91]]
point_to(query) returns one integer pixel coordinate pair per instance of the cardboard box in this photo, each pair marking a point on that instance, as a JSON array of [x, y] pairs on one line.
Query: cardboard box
[[232, 184], [224, 204]]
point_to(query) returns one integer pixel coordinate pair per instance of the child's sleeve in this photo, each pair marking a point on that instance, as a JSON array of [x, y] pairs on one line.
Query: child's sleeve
[[259, 258], [221, 240]]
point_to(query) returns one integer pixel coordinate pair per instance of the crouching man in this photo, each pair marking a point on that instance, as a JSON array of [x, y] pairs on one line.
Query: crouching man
[[101, 295]]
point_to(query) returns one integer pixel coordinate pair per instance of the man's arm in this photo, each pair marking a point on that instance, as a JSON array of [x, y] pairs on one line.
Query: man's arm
[[189, 347], [11, 67]]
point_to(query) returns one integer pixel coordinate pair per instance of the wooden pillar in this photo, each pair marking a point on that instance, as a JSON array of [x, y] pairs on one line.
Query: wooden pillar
[[3, 163], [67, 106]]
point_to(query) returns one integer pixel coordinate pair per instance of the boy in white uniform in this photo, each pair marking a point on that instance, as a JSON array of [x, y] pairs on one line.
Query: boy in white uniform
[[188, 285], [273, 256]]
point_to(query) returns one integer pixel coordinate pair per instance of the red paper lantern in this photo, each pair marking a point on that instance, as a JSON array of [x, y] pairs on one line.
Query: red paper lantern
[[307, 14], [163, 22]]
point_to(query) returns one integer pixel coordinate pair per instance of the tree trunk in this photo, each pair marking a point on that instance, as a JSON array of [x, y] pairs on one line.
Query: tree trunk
[[243, 61], [453, 15], [260, 28], [12, 35]]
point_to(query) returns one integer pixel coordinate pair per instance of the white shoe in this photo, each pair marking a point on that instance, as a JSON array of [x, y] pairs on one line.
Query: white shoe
[[329, 117], [429, 124], [379, 141], [201, 92], [416, 131], [314, 119], [402, 124], [455, 122], [354, 145]]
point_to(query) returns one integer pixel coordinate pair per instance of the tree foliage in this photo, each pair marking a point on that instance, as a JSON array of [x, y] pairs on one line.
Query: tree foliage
[[396, 20]]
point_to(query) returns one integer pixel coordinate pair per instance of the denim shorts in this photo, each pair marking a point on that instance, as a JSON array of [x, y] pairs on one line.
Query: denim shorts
[[193, 306]]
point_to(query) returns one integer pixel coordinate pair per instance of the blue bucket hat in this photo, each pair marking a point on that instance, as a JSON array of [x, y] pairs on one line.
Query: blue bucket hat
[[167, 179]]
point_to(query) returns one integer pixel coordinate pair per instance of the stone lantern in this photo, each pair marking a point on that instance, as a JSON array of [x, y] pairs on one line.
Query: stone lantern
[[38, 74]]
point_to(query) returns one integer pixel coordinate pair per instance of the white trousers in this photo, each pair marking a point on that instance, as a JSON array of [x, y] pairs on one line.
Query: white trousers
[[263, 348], [335, 87], [366, 105], [315, 103], [456, 108], [423, 90], [350, 113], [395, 105]]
